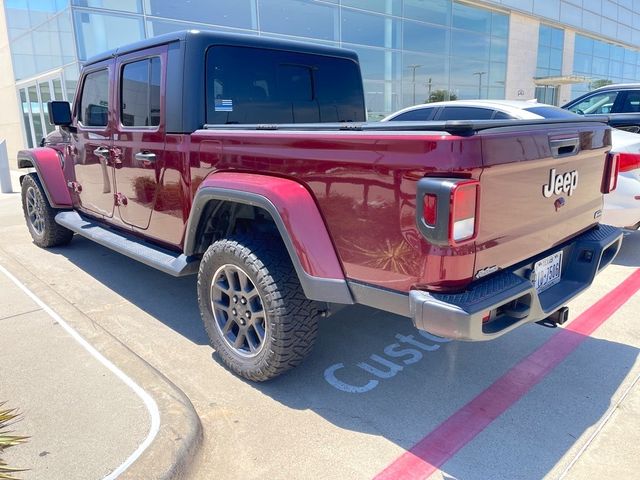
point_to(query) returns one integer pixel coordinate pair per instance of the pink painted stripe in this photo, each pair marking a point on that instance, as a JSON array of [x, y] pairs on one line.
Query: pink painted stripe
[[454, 433]]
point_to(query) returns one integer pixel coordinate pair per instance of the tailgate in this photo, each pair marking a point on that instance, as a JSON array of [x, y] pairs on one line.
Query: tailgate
[[539, 188]]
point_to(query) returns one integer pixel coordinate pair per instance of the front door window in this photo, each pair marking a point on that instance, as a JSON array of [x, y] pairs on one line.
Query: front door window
[[596, 104]]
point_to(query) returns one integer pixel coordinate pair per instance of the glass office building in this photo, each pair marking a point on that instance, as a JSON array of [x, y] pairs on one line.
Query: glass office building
[[411, 51]]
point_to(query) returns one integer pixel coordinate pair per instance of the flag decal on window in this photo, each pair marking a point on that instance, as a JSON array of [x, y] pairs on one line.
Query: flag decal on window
[[223, 105]]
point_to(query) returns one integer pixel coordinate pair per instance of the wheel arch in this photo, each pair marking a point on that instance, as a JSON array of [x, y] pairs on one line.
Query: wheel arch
[[48, 166], [296, 217]]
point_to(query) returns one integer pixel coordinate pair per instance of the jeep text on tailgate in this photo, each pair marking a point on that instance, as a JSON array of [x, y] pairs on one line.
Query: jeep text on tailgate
[[247, 161]]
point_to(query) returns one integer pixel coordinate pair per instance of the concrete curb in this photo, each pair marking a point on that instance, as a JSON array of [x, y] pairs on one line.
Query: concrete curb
[[176, 446]]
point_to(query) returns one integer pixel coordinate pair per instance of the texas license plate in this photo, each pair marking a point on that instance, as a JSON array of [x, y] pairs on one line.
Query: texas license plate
[[548, 271]]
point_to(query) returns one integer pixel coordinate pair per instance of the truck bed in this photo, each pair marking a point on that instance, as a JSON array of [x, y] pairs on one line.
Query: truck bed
[[453, 127], [364, 177]]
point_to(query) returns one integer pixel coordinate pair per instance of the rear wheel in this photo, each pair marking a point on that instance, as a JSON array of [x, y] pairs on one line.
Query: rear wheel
[[39, 215], [253, 308]]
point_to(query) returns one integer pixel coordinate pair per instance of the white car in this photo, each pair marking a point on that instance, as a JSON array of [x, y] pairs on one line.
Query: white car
[[621, 207]]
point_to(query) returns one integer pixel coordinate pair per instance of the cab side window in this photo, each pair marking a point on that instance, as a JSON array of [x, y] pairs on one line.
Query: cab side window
[[94, 102], [140, 93], [295, 82], [257, 85]]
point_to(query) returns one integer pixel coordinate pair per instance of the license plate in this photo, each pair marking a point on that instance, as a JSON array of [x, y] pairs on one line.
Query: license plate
[[548, 271]]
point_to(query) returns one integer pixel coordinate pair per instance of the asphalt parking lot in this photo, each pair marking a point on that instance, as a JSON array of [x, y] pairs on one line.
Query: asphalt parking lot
[[375, 388]]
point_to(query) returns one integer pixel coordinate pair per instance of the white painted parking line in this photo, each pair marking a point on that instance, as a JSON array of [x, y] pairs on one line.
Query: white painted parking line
[[148, 401]]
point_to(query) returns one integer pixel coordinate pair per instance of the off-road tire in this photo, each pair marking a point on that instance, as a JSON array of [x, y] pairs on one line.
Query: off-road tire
[[49, 234], [291, 319]]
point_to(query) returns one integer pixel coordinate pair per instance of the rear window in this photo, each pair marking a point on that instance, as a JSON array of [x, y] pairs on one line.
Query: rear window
[[551, 112], [466, 113], [251, 85]]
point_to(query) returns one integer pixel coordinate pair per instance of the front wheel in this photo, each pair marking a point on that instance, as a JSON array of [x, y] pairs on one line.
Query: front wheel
[[40, 215], [253, 308]]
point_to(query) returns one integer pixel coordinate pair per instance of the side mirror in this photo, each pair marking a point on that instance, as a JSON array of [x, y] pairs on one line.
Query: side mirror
[[60, 113]]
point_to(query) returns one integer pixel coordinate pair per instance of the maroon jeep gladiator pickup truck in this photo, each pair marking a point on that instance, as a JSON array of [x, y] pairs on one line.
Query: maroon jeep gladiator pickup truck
[[249, 162]]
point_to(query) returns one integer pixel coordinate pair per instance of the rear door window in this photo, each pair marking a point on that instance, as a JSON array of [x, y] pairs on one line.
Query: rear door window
[[466, 113], [422, 114], [251, 85], [597, 104], [140, 93], [94, 100]]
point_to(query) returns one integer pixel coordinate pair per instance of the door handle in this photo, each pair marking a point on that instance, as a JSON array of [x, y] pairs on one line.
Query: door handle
[[564, 147], [146, 157], [101, 152]]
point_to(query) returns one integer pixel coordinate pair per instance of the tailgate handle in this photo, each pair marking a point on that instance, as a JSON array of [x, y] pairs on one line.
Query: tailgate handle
[[564, 147]]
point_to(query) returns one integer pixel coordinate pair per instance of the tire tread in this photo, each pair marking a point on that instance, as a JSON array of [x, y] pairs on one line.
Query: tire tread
[[293, 319], [54, 235]]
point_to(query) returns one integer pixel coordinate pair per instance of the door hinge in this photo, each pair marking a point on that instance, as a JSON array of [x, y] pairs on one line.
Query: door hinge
[[75, 186], [116, 156], [120, 199]]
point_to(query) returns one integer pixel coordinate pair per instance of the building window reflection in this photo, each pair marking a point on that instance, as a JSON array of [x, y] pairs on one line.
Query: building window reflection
[[408, 48], [603, 63], [97, 32], [549, 61]]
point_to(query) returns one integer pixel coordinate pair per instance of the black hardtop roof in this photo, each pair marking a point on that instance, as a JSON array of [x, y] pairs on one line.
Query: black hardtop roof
[[201, 39]]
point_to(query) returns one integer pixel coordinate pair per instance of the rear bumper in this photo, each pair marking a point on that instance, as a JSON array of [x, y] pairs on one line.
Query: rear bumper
[[510, 296]]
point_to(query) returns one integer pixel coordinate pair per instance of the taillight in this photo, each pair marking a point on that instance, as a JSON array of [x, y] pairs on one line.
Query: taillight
[[464, 203], [629, 161], [430, 212], [447, 210], [611, 170]]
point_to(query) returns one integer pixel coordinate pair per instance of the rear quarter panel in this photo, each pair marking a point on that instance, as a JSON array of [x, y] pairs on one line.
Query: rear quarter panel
[[365, 187]]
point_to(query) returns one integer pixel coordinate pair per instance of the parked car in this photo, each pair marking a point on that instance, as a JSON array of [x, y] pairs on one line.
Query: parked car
[[466, 110], [186, 152], [621, 207], [621, 102]]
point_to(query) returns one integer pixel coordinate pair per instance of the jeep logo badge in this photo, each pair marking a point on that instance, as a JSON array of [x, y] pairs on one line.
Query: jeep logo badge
[[560, 183]]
